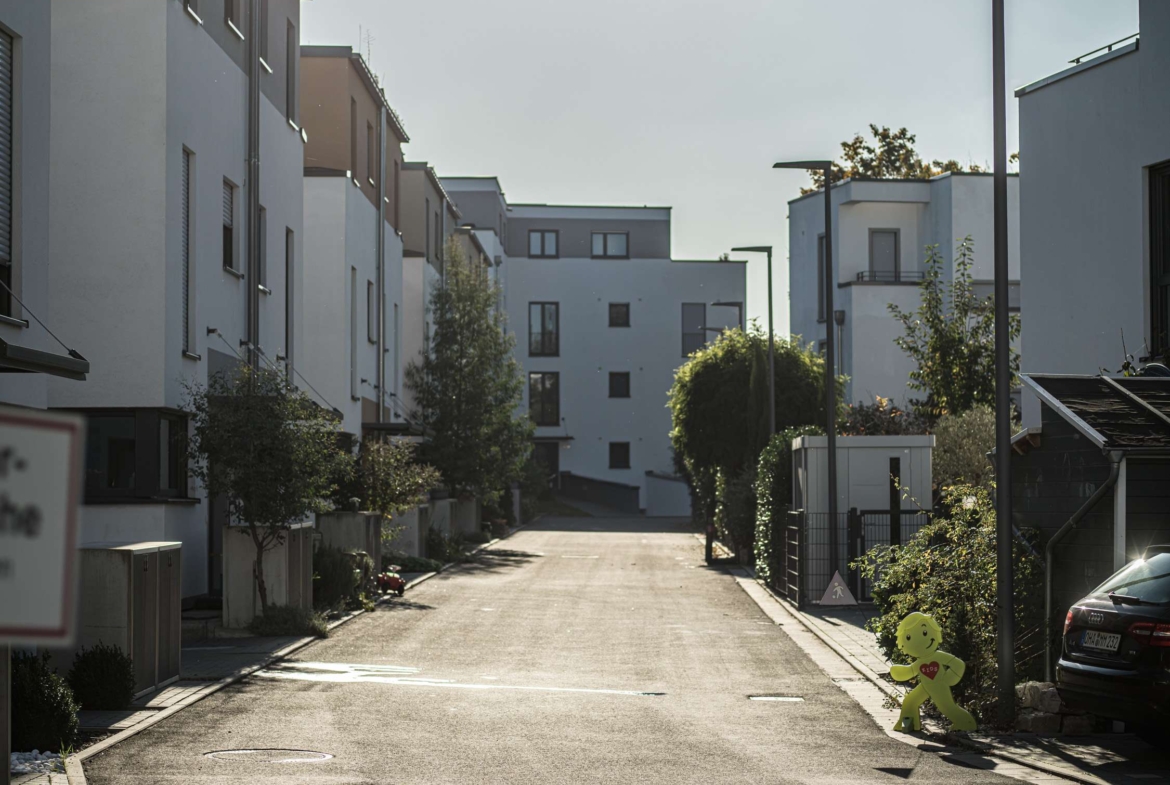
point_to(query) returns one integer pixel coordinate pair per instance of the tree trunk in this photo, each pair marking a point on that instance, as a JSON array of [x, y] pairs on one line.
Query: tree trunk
[[258, 573]]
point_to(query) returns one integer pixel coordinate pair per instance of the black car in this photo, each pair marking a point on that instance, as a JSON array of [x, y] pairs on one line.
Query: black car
[[1115, 658]]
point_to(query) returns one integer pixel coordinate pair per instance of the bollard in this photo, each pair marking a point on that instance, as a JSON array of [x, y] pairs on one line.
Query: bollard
[[919, 636]]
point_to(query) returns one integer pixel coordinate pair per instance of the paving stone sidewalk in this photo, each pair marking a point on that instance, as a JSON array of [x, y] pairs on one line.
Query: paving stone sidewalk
[[1099, 758]]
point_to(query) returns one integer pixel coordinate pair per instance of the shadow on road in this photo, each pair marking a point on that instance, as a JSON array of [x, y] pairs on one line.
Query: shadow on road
[[630, 525], [401, 604], [493, 561]]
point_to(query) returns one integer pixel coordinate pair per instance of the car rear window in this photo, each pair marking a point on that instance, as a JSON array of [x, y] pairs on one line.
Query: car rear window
[[1145, 579]]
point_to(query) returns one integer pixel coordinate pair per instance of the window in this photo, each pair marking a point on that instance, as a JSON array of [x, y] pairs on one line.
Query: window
[[264, 30], [544, 398], [619, 314], [544, 328], [822, 347], [613, 245], [137, 453], [694, 327], [619, 384], [820, 278], [619, 455], [371, 313], [353, 172], [289, 312], [7, 257], [263, 261], [371, 171], [193, 6], [542, 244], [185, 251], [353, 333], [291, 77], [1160, 260], [229, 226], [883, 254]]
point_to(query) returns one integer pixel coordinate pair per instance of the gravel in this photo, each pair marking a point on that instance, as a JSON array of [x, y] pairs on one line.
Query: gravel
[[36, 762]]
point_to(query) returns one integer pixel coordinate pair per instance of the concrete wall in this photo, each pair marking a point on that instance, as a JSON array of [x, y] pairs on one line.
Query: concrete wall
[[288, 570], [465, 516], [409, 538], [667, 496], [874, 365], [648, 228]]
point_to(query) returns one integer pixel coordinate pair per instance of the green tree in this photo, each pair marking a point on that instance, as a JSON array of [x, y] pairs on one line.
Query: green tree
[[890, 154], [468, 387], [951, 338], [268, 450], [961, 444], [388, 477]]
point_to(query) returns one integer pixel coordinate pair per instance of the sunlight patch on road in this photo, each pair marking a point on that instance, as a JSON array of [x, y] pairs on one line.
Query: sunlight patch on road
[[341, 673], [580, 557]]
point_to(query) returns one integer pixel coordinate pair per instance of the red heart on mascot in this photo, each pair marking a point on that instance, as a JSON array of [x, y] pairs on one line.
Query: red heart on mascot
[[929, 670]]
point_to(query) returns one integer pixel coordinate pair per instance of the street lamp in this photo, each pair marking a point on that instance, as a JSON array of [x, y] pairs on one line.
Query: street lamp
[[830, 380], [771, 349]]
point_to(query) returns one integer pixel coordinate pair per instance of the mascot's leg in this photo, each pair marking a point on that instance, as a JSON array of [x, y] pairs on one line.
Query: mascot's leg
[[960, 718], [910, 705]]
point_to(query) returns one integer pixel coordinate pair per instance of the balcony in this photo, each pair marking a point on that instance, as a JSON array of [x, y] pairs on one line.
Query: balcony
[[891, 276]]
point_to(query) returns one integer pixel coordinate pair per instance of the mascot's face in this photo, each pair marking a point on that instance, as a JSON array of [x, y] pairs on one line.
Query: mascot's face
[[919, 636]]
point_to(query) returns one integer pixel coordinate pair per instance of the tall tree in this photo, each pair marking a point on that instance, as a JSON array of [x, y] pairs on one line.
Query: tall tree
[[468, 387], [951, 338], [268, 450], [890, 154]]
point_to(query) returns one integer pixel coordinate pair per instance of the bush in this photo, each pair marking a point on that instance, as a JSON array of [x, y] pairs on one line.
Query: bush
[[773, 498], [102, 678], [335, 581], [948, 570], [735, 509], [480, 537], [881, 418], [961, 444], [445, 548], [44, 713], [406, 563], [289, 620]]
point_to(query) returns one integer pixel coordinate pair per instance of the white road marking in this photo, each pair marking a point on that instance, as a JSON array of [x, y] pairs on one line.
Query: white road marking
[[781, 698]]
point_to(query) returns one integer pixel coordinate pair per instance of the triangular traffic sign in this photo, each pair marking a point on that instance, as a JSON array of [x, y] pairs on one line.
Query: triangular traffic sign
[[838, 593]]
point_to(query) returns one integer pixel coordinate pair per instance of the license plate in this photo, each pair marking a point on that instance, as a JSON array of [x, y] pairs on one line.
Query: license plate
[[1101, 641]]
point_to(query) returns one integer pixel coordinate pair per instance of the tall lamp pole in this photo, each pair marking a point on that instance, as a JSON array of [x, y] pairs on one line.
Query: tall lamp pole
[[771, 340], [830, 379], [1004, 590]]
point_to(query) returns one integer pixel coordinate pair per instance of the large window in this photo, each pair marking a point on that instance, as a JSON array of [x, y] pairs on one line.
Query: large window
[[371, 313], [231, 15], [291, 97], [544, 329], [619, 455], [7, 257], [612, 245], [544, 398], [1160, 260], [229, 226], [135, 454], [542, 244], [371, 169], [619, 384], [883, 254], [619, 314], [694, 327]]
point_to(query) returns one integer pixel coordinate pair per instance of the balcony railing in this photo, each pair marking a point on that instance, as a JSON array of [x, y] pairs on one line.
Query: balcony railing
[[890, 276]]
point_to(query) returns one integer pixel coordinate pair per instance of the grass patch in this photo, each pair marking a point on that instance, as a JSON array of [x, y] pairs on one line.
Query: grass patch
[[286, 620]]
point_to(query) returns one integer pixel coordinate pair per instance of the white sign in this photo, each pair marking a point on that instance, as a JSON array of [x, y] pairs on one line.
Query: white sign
[[40, 495], [838, 593]]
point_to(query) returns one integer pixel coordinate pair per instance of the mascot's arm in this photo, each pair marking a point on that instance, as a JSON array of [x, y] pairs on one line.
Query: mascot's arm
[[955, 669], [901, 672]]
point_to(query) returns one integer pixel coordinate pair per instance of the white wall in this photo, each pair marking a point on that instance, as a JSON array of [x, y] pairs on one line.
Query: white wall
[[413, 315], [863, 471], [876, 366]]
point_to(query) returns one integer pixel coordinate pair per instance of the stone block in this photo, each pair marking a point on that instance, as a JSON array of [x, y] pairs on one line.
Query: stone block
[[1049, 700], [1077, 724], [1029, 693], [1032, 721]]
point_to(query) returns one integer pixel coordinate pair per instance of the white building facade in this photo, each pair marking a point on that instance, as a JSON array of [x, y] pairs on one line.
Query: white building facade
[[881, 229], [1095, 208], [149, 219]]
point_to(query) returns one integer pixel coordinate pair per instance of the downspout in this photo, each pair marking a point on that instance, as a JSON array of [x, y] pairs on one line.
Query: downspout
[[380, 214], [1115, 459], [252, 275]]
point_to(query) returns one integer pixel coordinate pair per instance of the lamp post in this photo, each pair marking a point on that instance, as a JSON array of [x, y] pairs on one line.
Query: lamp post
[[771, 348], [830, 379], [1004, 589]]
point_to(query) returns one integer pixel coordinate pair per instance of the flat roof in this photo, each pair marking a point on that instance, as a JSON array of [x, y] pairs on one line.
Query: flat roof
[[367, 77], [1109, 54], [435, 181], [896, 180]]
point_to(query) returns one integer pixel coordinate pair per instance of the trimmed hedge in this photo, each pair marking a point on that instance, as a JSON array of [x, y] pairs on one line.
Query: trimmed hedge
[[44, 713], [102, 677], [773, 491]]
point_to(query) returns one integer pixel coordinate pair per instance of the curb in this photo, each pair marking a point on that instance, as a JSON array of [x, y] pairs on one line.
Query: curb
[[963, 741]]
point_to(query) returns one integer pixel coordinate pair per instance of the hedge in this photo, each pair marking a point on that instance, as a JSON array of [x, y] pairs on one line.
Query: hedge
[[773, 497]]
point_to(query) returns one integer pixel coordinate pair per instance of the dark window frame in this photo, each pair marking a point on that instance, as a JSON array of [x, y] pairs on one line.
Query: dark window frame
[[148, 459], [1159, 293], [897, 250], [556, 254], [289, 294], [619, 323], [539, 409], [230, 247], [292, 96], [231, 13], [262, 228], [371, 169], [545, 350], [605, 254], [702, 333], [264, 30], [616, 460], [371, 312], [622, 378]]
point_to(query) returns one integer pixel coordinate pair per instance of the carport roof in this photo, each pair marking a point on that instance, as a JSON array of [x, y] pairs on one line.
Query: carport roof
[[1131, 414]]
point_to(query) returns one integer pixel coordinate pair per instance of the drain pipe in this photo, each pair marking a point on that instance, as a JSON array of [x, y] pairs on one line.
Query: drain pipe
[[252, 274], [1115, 459], [381, 266]]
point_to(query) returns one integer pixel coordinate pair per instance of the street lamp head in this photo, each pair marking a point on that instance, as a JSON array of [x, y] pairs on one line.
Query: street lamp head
[[754, 248], [803, 165]]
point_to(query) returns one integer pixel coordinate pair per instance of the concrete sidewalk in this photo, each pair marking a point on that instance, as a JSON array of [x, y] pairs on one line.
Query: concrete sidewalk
[[1094, 759]]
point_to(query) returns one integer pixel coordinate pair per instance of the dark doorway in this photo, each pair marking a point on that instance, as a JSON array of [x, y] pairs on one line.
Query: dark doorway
[[548, 454]]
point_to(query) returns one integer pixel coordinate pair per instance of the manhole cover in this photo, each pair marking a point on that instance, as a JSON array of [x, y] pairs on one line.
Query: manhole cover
[[270, 756], [780, 698]]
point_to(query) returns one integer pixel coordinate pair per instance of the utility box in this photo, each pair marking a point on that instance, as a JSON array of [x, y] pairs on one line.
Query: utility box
[[865, 465], [288, 573], [130, 598], [353, 531]]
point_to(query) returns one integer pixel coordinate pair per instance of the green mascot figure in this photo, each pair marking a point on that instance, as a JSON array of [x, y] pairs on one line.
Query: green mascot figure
[[919, 637]]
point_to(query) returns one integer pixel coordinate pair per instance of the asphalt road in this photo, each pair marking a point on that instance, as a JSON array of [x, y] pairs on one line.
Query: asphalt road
[[542, 663]]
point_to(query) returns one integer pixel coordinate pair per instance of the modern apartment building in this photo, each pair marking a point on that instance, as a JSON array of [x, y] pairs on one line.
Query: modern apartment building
[[28, 353], [353, 251], [484, 211], [1095, 208], [175, 221], [881, 229]]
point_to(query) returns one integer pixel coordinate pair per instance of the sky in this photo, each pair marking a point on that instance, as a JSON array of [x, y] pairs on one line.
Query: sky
[[688, 103]]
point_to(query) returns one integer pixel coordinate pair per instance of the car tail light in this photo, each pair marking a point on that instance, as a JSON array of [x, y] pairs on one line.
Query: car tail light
[[1153, 634], [1068, 622]]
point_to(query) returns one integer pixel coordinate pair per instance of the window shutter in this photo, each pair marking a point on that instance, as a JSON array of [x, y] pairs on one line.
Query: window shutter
[[229, 207], [186, 186], [5, 148]]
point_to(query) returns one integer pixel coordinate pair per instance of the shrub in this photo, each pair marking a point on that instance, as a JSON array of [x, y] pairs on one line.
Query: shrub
[[445, 548], [289, 620], [961, 444], [406, 563], [478, 537], [44, 713], [948, 570], [735, 510], [102, 678], [335, 580], [773, 498], [881, 418]]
